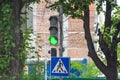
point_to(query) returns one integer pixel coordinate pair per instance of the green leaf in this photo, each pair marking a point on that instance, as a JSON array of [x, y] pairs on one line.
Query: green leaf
[[13, 44]]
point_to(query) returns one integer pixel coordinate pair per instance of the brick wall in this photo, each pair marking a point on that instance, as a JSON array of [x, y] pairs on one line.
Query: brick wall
[[77, 47], [76, 44]]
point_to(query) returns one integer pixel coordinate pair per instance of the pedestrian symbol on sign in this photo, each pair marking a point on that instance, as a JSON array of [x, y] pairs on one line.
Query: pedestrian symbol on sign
[[59, 68]]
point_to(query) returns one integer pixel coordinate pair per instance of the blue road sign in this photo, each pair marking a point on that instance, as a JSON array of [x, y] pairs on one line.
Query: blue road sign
[[60, 66]]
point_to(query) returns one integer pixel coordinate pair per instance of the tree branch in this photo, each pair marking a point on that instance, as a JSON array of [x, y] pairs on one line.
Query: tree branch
[[108, 15], [117, 32], [90, 45], [103, 44], [114, 41], [118, 40]]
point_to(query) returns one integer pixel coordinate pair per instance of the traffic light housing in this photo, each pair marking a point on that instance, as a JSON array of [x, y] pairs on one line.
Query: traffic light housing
[[53, 52], [53, 39]]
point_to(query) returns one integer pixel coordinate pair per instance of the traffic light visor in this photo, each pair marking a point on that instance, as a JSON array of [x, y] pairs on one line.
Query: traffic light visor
[[53, 40]]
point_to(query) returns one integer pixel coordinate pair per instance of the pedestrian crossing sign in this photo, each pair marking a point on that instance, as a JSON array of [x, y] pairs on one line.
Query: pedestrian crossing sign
[[60, 66]]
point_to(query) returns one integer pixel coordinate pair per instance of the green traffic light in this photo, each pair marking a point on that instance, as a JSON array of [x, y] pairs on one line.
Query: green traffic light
[[53, 40]]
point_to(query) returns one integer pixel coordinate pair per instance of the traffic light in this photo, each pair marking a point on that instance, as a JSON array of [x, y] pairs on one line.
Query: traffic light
[[53, 52], [53, 39]]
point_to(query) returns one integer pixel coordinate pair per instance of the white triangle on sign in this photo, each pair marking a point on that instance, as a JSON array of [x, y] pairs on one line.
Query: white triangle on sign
[[59, 67]]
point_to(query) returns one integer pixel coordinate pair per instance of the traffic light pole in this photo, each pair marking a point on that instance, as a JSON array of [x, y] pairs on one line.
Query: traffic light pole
[[54, 32], [61, 32]]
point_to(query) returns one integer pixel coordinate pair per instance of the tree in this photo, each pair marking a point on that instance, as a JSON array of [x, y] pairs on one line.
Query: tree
[[108, 43], [12, 45]]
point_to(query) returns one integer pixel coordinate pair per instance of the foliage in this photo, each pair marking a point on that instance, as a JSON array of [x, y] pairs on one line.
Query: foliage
[[77, 66], [86, 70], [92, 71], [100, 3], [36, 72], [6, 37], [74, 8], [118, 63], [26, 46]]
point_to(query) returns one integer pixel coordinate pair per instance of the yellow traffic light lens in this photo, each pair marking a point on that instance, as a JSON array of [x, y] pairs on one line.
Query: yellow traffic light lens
[[53, 40]]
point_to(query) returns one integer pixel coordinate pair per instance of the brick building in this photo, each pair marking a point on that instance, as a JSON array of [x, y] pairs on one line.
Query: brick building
[[74, 42]]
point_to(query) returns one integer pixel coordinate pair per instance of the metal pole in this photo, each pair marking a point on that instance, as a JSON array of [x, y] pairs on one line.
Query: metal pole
[[61, 32], [45, 58]]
